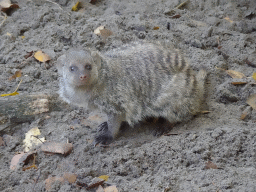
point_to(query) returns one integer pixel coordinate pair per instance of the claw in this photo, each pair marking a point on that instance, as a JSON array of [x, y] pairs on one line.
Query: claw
[[104, 136]]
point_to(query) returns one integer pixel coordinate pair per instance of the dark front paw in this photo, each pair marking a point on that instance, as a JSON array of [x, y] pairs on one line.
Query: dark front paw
[[103, 136]]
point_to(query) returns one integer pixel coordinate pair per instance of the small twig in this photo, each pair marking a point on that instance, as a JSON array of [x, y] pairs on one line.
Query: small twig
[[181, 5], [5, 17], [37, 138], [18, 86]]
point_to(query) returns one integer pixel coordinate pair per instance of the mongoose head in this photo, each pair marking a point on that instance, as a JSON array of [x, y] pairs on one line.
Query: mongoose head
[[79, 68]]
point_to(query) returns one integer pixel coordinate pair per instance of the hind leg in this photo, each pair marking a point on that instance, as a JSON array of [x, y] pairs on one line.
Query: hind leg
[[162, 126]]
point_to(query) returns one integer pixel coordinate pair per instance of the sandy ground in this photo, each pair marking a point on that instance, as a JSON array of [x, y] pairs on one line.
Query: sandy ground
[[211, 33]]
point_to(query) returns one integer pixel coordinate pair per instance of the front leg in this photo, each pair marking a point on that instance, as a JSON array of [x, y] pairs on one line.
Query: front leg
[[108, 130]]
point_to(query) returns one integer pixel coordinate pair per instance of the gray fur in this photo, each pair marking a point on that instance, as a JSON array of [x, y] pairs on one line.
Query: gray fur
[[134, 82]]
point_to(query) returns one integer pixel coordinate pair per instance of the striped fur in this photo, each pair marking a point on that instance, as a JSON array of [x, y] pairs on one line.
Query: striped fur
[[137, 81]]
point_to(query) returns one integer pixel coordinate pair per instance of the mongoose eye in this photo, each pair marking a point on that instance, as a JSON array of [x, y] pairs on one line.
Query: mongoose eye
[[72, 68], [88, 66]]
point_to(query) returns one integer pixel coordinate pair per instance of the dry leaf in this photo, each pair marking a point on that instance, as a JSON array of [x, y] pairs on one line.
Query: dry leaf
[[235, 74], [77, 6], [111, 189], [210, 165], [228, 19], [105, 33], [70, 177], [176, 16], [30, 139], [51, 180], [40, 56], [243, 115], [246, 112], [95, 183], [20, 160], [10, 94], [254, 76], [53, 147], [252, 101], [104, 177], [16, 74], [15, 160], [97, 31], [93, 1], [5, 5], [29, 54], [239, 83], [155, 28]]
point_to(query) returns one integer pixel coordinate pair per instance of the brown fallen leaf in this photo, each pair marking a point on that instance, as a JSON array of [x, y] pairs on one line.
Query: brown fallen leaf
[[29, 54], [235, 74], [246, 112], [32, 166], [70, 177], [239, 83], [210, 165], [53, 147], [95, 183], [40, 56], [6, 5], [20, 160], [49, 181], [176, 16], [16, 74], [155, 28], [105, 33], [93, 1], [252, 101], [15, 160]]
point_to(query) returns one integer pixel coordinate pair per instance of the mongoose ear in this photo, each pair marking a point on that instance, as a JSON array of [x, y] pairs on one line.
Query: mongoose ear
[[60, 63], [96, 58]]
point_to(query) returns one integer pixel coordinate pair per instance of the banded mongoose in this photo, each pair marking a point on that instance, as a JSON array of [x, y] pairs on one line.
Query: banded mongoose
[[131, 83]]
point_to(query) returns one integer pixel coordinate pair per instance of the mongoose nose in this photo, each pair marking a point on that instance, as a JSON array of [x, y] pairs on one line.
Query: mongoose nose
[[82, 77]]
